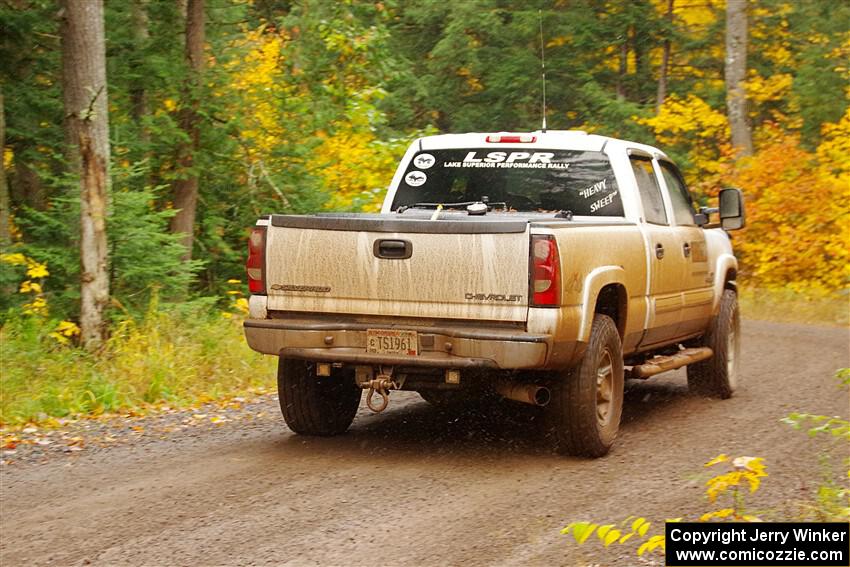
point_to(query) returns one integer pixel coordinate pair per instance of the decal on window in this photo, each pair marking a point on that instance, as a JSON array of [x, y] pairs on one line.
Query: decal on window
[[415, 178], [424, 161], [593, 189], [603, 202], [513, 160]]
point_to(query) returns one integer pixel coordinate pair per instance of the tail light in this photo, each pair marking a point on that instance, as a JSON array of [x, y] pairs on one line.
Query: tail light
[[256, 263], [545, 272]]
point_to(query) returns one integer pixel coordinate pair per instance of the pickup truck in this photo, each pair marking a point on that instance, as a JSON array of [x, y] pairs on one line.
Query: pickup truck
[[544, 267]]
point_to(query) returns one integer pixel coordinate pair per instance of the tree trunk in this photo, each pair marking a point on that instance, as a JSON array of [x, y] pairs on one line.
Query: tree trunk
[[623, 68], [5, 233], [736, 74], [87, 128], [186, 189], [138, 94], [665, 59], [25, 185]]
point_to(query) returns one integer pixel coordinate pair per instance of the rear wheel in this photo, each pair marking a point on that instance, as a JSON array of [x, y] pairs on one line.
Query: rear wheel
[[444, 398], [718, 376], [587, 401], [316, 405]]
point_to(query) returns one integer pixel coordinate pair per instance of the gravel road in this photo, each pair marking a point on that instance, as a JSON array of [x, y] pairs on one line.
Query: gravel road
[[416, 486]]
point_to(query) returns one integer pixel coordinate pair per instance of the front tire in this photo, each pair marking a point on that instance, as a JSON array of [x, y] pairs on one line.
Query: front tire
[[316, 405], [587, 401], [718, 376]]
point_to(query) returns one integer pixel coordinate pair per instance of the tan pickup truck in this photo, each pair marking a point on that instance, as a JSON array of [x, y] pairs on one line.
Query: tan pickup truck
[[545, 267]]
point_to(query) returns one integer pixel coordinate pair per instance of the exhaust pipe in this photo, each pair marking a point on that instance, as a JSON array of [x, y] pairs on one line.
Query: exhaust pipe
[[525, 393]]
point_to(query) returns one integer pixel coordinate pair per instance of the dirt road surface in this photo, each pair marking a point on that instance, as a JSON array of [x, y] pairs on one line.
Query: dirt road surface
[[416, 486]]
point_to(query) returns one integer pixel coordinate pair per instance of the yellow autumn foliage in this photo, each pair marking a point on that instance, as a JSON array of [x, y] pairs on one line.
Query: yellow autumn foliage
[[352, 163], [691, 123], [764, 89], [356, 167], [257, 80], [37, 305], [798, 225], [798, 221]]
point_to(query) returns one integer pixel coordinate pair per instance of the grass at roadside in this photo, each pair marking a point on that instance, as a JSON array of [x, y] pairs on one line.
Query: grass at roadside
[[167, 357], [789, 306]]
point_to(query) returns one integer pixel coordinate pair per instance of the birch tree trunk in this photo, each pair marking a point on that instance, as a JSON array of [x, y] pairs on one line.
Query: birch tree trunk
[[186, 189], [87, 131], [736, 74]]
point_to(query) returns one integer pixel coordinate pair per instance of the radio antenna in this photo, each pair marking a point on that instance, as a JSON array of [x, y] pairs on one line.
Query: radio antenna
[[542, 65]]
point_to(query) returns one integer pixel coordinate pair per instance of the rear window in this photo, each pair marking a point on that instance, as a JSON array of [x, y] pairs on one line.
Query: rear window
[[524, 179]]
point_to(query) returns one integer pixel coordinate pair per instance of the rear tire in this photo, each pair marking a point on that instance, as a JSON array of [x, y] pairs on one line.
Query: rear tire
[[316, 405], [444, 398], [583, 417], [718, 376]]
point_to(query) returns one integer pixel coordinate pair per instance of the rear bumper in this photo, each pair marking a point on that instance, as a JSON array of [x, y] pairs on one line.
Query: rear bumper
[[449, 346]]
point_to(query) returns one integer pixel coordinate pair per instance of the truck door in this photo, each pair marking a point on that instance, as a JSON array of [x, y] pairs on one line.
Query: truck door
[[666, 266], [697, 292]]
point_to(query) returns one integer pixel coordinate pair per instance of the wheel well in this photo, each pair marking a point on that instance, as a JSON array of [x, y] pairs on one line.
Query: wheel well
[[612, 301], [730, 282]]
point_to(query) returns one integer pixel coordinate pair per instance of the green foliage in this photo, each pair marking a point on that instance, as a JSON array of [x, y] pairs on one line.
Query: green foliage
[[30, 81], [823, 424], [832, 501], [835, 426], [143, 255], [819, 32]]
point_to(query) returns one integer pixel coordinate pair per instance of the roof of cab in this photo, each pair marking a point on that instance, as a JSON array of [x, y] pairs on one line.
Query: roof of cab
[[550, 139]]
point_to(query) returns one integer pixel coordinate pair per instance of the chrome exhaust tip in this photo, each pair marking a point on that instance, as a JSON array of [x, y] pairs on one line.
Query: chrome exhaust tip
[[526, 393]]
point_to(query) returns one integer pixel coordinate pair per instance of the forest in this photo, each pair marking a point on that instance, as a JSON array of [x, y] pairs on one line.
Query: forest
[[142, 138]]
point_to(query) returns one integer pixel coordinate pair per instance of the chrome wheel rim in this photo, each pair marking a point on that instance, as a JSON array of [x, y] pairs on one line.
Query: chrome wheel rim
[[604, 387]]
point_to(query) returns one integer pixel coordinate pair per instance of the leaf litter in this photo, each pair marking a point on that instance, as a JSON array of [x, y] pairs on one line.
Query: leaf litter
[[64, 437]]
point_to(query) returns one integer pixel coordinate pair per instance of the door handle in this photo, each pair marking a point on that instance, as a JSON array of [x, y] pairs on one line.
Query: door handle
[[659, 251], [686, 248], [392, 249]]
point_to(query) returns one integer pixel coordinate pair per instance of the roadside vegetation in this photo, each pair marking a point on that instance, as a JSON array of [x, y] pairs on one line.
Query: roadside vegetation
[[811, 307], [169, 356]]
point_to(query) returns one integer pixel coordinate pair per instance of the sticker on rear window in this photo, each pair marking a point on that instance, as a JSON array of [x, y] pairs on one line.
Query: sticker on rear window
[[424, 161], [415, 178], [510, 160]]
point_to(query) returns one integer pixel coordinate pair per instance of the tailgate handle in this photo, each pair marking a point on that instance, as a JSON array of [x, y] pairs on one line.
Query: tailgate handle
[[393, 249]]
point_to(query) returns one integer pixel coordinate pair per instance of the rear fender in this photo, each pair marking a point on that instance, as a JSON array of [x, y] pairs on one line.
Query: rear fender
[[593, 284]]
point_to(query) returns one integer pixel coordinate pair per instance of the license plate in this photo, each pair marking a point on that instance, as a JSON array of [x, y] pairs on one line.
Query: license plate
[[390, 341]]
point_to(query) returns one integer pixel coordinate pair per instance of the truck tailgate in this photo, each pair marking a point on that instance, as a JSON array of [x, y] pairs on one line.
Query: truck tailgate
[[456, 270]]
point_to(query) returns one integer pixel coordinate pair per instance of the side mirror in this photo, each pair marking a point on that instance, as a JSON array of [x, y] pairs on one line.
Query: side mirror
[[731, 209]]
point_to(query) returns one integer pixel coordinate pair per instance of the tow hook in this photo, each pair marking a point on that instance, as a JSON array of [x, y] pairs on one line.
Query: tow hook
[[381, 384]]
